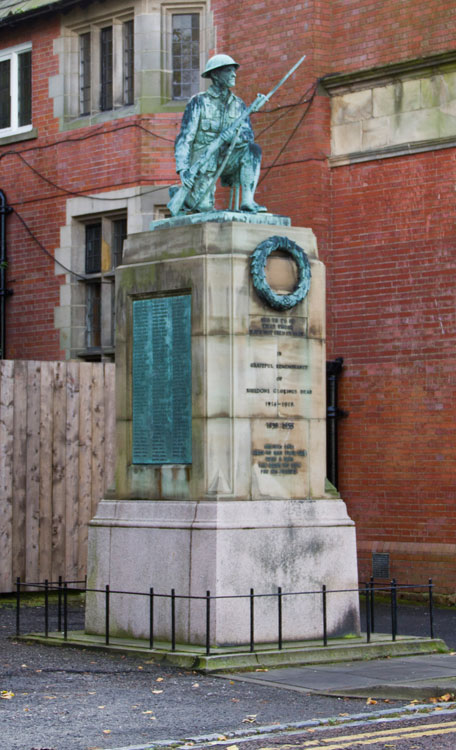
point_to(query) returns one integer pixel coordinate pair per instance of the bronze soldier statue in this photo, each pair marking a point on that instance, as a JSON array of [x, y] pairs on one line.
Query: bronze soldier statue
[[217, 119]]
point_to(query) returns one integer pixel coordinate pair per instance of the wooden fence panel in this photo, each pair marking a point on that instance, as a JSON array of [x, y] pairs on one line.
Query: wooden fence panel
[[6, 472], [57, 449]]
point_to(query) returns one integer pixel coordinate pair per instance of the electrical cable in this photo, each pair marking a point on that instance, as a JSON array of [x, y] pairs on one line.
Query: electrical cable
[[44, 250], [292, 134], [302, 100]]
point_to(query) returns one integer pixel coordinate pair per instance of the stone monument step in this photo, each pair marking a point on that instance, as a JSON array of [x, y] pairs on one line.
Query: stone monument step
[[265, 656]]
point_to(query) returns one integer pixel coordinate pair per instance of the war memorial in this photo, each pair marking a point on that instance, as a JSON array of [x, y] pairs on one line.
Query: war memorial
[[220, 385]]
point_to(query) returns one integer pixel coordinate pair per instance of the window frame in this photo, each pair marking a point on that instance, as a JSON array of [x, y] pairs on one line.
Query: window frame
[[95, 80], [168, 10], [103, 327], [12, 54]]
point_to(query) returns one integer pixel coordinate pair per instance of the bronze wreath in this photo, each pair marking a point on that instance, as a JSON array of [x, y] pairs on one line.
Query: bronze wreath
[[258, 271]]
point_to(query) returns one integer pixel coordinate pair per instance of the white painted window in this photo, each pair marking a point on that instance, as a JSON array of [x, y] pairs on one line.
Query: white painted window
[[16, 90]]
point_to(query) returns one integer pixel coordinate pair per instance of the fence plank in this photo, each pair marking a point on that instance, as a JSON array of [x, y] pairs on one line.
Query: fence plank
[[45, 500], [110, 423], [98, 438], [32, 518], [19, 479], [72, 471], [6, 471], [58, 472], [85, 462]]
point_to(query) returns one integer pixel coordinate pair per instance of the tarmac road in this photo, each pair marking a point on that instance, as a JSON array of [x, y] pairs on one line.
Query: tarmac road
[[70, 699], [434, 732]]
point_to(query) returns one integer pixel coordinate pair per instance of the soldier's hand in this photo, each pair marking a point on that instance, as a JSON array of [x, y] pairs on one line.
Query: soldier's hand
[[259, 101], [187, 179], [227, 135]]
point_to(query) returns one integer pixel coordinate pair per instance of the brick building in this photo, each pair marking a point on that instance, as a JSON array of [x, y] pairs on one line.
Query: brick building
[[360, 145]]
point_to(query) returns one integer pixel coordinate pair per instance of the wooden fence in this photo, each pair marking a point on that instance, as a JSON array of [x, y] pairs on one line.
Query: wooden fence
[[57, 422]]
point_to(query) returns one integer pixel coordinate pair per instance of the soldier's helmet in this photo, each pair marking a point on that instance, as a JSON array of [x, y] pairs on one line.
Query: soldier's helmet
[[218, 61]]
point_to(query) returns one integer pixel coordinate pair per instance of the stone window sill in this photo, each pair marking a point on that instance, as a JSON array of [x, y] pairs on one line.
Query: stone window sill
[[16, 137]]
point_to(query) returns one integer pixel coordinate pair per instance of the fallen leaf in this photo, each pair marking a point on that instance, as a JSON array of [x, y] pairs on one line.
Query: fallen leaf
[[344, 714], [414, 701], [195, 684], [447, 697], [159, 679], [261, 670], [250, 719], [140, 667], [221, 737], [92, 692], [7, 695], [147, 712], [51, 697], [106, 731], [101, 706], [157, 692], [38, 670], [370, 702]]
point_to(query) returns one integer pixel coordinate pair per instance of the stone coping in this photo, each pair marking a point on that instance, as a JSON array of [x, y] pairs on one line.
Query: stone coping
[[236, 658], [221, 217]]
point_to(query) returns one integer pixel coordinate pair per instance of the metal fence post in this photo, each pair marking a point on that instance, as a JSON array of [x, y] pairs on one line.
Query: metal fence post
[[279, 614], [431, 609], [252, 620], [59, 605], [208, 623], [368, 612], [18, 606], [372, 613], [151, 618], [46, 608], [65, 610], [325, 624], [173, 619], [107, 614], [393, 609]]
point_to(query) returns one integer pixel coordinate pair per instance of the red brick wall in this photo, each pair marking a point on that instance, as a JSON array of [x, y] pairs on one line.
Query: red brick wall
[[369, 33], [392, 265]]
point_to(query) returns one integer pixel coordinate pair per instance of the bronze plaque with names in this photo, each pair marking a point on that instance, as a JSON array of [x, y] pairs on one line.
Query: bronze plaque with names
[[162, 380]]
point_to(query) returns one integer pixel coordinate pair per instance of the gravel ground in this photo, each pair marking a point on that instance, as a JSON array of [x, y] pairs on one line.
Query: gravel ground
[[71, 699]]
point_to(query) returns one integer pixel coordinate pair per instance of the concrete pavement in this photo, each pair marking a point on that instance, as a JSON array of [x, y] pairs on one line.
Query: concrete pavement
[[408, 678]]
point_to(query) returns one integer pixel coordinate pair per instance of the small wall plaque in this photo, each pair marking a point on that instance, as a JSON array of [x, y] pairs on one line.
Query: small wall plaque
[[162, 380]]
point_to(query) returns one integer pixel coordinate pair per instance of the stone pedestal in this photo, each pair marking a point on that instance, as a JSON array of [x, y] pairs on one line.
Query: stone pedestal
[[251, 509]]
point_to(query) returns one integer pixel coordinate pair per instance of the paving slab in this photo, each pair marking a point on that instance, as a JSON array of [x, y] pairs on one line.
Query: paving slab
[[399, 678]]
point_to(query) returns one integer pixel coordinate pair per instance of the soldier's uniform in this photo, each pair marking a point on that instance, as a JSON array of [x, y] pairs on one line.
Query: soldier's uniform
[[205, 117]]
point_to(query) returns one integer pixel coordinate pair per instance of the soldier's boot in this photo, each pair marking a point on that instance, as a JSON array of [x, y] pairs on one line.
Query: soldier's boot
[[250, 173]]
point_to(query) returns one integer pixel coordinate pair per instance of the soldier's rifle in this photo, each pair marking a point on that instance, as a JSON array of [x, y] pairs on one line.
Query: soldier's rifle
[[180, 194]]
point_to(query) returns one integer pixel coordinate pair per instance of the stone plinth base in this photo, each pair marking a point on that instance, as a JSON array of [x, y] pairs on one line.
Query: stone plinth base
[[227, 548]]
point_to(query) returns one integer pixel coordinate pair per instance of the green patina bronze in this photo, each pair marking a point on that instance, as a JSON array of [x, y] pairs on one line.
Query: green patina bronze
[[258, 271], [162, 380], [216, 140]]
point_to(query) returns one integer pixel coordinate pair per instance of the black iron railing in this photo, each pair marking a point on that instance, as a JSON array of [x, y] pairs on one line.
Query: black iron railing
[[369, 591]]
